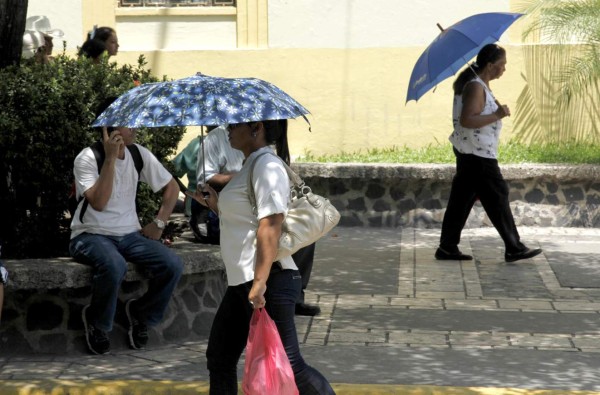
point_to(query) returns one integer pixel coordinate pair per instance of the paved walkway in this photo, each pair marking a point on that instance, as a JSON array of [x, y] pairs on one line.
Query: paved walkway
[[396, 321]]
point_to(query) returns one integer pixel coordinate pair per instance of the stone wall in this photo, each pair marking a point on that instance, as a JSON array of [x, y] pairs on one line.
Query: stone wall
[[393, 195], [44, 300]]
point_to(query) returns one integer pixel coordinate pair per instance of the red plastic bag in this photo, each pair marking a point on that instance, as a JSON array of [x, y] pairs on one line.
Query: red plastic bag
[[267, 369]]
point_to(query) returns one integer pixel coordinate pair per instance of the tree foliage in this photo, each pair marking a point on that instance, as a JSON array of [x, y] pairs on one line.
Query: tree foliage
[[44, 124]]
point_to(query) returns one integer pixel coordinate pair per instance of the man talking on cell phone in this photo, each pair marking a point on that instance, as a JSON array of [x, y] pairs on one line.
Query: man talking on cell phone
[[106, 234]]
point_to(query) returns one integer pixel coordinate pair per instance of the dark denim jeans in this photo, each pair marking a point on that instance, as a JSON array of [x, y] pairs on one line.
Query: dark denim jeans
[[229, 334], [108, 256]]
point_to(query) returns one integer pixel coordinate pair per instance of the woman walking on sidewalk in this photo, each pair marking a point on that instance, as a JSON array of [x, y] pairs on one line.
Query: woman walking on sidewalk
[[249, 243], [477, 118]]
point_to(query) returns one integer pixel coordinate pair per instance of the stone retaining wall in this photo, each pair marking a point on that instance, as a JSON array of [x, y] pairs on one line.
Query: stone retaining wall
[[44, 300], [393, 195]]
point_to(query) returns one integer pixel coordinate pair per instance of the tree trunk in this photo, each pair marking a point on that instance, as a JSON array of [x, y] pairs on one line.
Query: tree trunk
[[13, 14]]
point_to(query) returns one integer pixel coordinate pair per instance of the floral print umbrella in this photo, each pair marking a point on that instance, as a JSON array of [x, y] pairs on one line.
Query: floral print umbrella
[[200, 100]]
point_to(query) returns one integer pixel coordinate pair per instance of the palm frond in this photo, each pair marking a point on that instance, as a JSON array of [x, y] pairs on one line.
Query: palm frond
[[541, 114]]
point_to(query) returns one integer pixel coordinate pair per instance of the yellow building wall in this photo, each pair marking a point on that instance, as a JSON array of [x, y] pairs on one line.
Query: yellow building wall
[[356, 95]]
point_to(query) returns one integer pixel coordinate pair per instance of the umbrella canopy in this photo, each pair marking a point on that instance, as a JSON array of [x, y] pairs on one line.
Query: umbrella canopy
[[200, 100], [454, 47]]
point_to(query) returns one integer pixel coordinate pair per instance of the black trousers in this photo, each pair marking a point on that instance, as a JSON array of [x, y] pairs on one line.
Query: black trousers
[[478, 177], [304, 260]]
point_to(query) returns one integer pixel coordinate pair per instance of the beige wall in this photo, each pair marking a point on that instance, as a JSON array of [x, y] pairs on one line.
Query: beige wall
[[348, 62]]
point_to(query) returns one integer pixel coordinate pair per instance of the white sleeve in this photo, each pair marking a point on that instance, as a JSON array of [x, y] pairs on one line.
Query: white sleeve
[[209, 157], [153, 173], [271, 187], [85, 170]]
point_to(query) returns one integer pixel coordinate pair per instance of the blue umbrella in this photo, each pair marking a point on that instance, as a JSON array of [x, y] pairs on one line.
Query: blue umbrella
[[200, 100], [454, 47]]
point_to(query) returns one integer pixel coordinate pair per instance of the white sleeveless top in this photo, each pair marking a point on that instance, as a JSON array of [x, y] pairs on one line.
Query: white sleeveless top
[[482, 141]]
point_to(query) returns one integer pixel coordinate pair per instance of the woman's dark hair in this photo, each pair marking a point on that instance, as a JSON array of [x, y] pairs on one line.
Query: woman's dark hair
[[101, 33], [92, 49], [104, 104], [276, 133], [488, 54]]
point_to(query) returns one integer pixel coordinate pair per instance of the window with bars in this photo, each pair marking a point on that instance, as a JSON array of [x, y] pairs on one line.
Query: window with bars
[[176, 3]]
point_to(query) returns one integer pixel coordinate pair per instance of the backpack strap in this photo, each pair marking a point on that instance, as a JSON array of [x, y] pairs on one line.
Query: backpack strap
[[137, 158], [98, 150]]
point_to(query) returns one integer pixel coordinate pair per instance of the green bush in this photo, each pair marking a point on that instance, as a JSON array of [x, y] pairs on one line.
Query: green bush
[[45, 115]]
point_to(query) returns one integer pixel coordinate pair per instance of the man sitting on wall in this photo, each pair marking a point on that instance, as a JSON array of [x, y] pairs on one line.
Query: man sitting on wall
[[106, 234]]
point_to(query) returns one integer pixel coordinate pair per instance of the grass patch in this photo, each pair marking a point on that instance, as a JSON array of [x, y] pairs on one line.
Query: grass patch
[[512, 152]]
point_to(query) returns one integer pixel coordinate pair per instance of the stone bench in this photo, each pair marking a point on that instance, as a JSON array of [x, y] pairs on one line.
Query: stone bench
[[44, 299]]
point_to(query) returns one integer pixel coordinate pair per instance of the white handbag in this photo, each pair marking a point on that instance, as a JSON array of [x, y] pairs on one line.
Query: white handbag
[[309, 216]]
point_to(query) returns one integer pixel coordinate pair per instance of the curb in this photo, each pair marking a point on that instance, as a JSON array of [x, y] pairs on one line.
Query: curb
[[139, 387]]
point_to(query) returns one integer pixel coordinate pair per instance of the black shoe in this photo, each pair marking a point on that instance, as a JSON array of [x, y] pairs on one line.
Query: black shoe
[[97, 340], [525, 254], [138, 330], [443, 255], [307, 309]]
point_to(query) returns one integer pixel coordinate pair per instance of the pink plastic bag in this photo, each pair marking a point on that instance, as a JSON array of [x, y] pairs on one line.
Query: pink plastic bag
[[267, 369]]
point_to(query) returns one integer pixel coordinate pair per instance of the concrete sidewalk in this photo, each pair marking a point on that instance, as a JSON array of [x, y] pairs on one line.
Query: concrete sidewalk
[[396, 321]]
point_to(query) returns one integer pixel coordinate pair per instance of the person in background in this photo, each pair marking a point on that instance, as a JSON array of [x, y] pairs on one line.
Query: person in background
[[92, 49], [41, 24], [249, 243], [108, 234], [108, 36], [477, 118], [218, 163], [186, 162], [33, 46]]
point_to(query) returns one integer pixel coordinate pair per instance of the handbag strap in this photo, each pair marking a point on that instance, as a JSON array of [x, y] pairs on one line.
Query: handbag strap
[[297, 181]]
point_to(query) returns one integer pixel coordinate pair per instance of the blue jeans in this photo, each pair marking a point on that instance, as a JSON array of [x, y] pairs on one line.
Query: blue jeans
[[108, 256], [229, 334]]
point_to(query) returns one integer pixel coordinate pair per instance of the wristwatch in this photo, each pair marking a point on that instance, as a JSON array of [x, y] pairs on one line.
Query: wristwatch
[[159, 223]]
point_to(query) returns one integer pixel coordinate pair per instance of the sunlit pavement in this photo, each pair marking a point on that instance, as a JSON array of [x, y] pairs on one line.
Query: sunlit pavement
[[396, 321]]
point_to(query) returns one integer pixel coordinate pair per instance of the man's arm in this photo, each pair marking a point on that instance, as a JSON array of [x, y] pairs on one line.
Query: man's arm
[[218, 181], [212, 160], [169, 199]]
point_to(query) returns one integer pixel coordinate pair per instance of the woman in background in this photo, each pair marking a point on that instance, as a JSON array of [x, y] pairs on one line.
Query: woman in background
[[92, 49], [108, 36], [477, 118]]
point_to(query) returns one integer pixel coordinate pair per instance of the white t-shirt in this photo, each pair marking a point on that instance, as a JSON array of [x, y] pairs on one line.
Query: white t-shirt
[[119, 216], [217, 156], [482, 141], [237, 220]]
